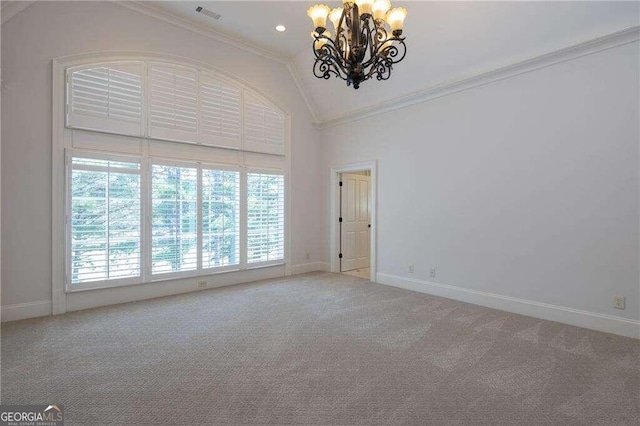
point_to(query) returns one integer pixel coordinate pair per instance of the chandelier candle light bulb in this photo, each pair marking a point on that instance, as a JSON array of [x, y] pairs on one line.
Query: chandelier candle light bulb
[[395, 18], [318, 15], [365, 6], [380, 9], [368, 40], [334, 17]]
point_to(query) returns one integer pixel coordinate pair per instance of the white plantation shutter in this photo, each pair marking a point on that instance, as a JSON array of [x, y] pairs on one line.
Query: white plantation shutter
[[264, 126], [106, 97], [265, 217], [220, 104], [105, 221], [173, 103], [220, 218], [174, 219]]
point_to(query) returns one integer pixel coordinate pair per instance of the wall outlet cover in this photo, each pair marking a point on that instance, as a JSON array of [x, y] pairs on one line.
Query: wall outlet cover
[[619, 302]]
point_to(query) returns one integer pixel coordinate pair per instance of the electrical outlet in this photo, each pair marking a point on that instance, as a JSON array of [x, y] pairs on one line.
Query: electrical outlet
[[433, 273], [618, 302], [411, 268], [202, 284]]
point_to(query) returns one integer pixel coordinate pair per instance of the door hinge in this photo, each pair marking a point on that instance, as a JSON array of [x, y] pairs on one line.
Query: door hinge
[[340, 255], [340, 183], [340, 220]]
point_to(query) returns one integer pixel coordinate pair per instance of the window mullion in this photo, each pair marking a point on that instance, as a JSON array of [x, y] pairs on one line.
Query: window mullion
[[243, 217], [145, 219], [199, 218], [108, 236], [67, 218]]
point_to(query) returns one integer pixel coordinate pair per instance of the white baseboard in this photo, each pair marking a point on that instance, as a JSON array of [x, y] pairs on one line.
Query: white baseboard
[[25, 310], [576, 317], [109, 296], [303, 268]]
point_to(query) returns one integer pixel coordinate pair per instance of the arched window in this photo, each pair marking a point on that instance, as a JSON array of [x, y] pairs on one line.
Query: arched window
[[170, 170], [172, 102]]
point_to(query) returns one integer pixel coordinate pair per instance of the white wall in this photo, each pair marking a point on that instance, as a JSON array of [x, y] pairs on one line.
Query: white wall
[[52, 29], [527, 187]]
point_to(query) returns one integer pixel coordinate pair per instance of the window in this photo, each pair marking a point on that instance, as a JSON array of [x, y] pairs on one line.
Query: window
[[174, 102], [170, 171], [220, 218], [107, 98], [220, 117], [265, 217], [105, 220], [263, 126], [174, 219]]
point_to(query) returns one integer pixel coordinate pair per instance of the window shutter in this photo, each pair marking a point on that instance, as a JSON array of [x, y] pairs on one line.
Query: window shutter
[[105, 220], [220, 218], [173, 103], [265, 217], [107, 98], [219, 112], [174, 219], [264, 126]]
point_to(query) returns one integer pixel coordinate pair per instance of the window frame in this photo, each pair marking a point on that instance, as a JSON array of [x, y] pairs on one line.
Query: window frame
[[266, 171], [117, 282], [149, 220], [146, 224], [241, 203], [115, 127], [144, 147]]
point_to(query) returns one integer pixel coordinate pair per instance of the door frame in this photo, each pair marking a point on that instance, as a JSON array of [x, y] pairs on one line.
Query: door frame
[[334, 225]]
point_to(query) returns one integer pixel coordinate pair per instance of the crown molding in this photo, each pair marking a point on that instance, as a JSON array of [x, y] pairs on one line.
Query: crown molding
[[205, 31], [619, 38], [12, 8], [302, 88]]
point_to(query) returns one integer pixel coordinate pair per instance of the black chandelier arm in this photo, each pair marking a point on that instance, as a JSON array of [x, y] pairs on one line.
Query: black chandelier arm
[[393, 48], [382, 69], [376, 35], [366, 43], [341, 42], [324, 69], [329, 55], [326, 63]]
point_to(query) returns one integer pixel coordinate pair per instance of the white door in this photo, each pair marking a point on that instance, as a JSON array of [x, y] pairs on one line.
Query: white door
[[356, 221]]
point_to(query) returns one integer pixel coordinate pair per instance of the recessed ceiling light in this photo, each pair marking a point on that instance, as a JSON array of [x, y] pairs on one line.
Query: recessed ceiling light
[[281, 28]]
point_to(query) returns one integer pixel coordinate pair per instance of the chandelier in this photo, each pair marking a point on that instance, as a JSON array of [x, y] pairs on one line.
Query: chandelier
[[362, 47]]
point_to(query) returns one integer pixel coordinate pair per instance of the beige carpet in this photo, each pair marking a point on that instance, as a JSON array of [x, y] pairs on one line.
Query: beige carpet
[[318, 349], [362, 273]]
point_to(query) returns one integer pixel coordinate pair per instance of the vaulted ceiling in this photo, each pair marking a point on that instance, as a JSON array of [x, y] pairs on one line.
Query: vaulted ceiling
[[446, 41]]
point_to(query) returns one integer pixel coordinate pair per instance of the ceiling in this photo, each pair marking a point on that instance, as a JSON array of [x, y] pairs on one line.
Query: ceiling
[[254, 21], [446, 41]]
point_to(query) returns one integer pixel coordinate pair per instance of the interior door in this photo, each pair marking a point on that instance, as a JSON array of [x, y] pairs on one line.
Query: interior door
[[356, 220]]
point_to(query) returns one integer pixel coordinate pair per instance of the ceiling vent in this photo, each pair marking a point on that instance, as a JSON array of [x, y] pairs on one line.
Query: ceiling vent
[[209, 13]]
